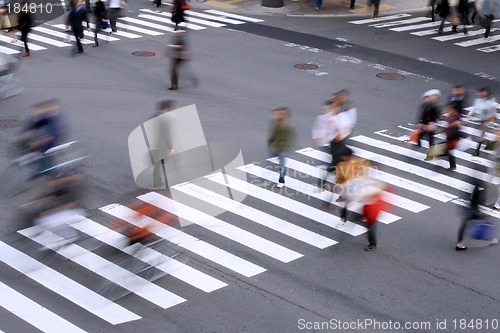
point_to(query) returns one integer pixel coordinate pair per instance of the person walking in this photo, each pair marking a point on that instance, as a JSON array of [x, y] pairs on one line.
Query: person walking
[[432, 4], [452, 132], [100, 19], [178, 8], [429, 114], [281, 139], [485, 110], [376, 5], [25, 20], [76, 18], [352, 4], [459, 98], [115, 8], [443, 11], [462, 10]]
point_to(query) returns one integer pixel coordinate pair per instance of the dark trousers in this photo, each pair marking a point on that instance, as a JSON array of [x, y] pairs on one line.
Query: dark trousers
[[98, 29], [432, 14], [336, 150], [430, 136], [371, 233], [352, 3], [376, 5], [78, 35], [24, 38], [114, 14], [174, 72]]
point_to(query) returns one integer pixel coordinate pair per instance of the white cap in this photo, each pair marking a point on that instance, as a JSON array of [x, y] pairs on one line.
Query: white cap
[[431, 92]]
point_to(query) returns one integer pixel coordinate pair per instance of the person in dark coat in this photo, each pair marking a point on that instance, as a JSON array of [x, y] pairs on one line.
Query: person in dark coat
[[430, 112], [459, 98], [25, 21], [178, 8], [75, 20], [443, 10], [463, 13], [101, 18]]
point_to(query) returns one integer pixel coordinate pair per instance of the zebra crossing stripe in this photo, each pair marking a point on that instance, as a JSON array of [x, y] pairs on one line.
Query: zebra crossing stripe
[[190, 19], [383, 18], [388, 178], [460, 36], [65, 287], [90, 34], [433, 32], [117, 33], [395, 23], [420, 156], [166, 20], [483, 209], [478, 41], [416, 26], [311, 190], [33, 313], [214, 18], [147, 24], [136, 29], [110, 271], [286, 203], [235, 16], [186, 241], [47, 40], [490, 49], [222, 228], [257, 216], [6, 50], [33, 47], [62, 35], [160, 261], [394, 199]]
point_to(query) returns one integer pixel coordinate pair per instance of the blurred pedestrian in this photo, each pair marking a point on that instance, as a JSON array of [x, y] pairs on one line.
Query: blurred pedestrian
[[115, 9], [178, 8], [100, 19], [319, 4], [180, 55], [429, 115], [472, 11], [462, 10], [75, 20], [161, 142], [7, 20], [353, 2], [452, 132], [458, 98], [485, 110], [376, 5], [432, 4], [443, 11], [281, 139], [25, 20]]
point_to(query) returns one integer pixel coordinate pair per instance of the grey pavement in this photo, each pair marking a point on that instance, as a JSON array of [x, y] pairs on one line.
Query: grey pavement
[[308, 7]]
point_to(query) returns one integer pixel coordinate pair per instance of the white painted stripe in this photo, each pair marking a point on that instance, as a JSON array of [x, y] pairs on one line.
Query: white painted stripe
[[63, 35], [160, 261], [257, 216], [191, 13], [166, 20], [458, 154], [220, 227], [67, 288], [47, 41], [137, 29], [6, 50], [33, 313], [382, 18], [460, 36], [186, 241], [394, 199], [483, 209], [8, 39], [475, 132], [190, 18], [388, 178], [147, 24], [291, 205], [421, 156], [235, 16], [490, 49], [98, 265], [478, 41], [311, 190], [431, 32], [395, 23], [416, 26], [90, 34], [106, 35]]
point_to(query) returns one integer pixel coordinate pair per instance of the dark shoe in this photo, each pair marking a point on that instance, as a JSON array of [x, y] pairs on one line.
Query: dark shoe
[[465, 32], [352, 7], [451, 169], [79, 52], [95, 45], [370, 248], [460, 248], [27, 54], [173, 88]]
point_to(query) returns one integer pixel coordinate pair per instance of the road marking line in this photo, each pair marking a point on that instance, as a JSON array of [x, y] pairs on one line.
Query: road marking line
[[235, 16]]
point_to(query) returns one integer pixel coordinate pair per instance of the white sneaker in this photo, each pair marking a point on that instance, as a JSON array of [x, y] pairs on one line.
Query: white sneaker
[[280, 185], [496, 206], [494, 241]]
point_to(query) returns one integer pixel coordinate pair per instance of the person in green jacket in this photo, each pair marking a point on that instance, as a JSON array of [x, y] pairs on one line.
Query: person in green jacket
[[281, 139]]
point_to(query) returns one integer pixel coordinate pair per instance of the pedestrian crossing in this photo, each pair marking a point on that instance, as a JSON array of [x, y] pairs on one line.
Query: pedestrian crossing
[[274, 226], [146, 23], [422, 27]]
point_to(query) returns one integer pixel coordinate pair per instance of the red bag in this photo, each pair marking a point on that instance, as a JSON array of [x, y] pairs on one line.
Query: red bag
[[451, 144], [414, 136], [372, 210]]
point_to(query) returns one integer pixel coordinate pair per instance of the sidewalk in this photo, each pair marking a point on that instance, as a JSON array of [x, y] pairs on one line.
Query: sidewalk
[[308, 7]]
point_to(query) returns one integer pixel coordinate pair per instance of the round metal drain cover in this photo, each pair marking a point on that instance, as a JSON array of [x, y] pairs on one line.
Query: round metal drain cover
[[390, 76], [306, 67], [144, 53], [9, 123]]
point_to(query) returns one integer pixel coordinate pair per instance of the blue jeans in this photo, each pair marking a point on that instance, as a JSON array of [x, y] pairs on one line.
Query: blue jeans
[[319, 3], [281, 154]]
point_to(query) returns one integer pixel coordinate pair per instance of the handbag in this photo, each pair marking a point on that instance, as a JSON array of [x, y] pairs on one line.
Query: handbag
[[177, 16], [105, 24], [414, 135], [436, 150], [452, 144], [482, 229]]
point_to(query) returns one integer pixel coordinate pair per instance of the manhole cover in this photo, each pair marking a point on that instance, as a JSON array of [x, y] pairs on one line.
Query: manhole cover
[[306, 66], [144, 53], [390, 76], [9, 123]]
